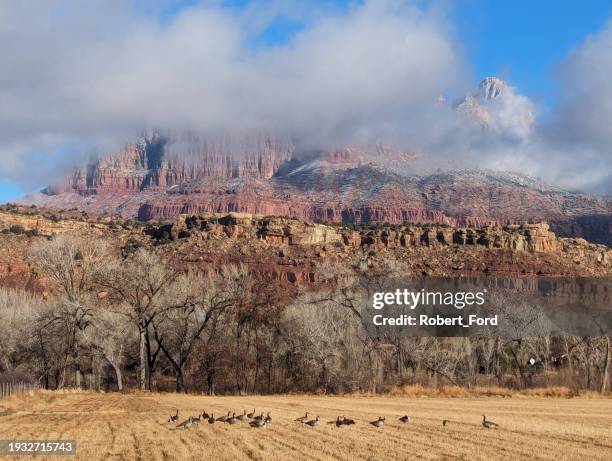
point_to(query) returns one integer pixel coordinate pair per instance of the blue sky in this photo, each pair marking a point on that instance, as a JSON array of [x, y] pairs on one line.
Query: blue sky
[[521, 41]]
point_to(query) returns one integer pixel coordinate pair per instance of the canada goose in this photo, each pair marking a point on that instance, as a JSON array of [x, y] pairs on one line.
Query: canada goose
[[302, 419], [205, 415], [222, 419], [187, 423], [251, 414], [258, 417], [258, 423], [195, 420], [445, 422], [242, 417], [347, 421], [339, 421], [232, 420], [313, 422], [488, 424], [268, 418], [380, 422], [405, 419], [211, 419], [173, 418]]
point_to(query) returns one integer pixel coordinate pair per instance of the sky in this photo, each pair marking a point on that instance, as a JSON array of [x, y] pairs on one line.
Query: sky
[[58, 104], [523, 41]]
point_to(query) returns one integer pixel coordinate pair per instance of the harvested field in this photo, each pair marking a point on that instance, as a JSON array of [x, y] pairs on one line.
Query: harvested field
[[134, 426]]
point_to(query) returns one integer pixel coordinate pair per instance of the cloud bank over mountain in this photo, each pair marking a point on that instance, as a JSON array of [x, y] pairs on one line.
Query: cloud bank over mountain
[[87, 77], [91, 74]]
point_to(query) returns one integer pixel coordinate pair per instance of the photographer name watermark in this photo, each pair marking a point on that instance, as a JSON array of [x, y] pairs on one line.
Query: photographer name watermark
[[510, 307]]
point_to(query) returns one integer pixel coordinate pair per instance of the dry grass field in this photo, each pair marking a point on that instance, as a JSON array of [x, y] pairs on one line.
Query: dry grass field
[[133, 426]]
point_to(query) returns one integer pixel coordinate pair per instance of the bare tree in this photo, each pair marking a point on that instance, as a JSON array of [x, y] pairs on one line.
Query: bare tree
[[607, 363], [107, 337], [138, 287], [199, 301], [526, 330], [73, 264], [18, 310]]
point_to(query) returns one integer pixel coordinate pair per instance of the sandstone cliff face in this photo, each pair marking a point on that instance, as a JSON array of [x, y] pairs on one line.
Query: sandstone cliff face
[[156, 161], [532, 238], [289, 252], [431, 250], [161, 177]]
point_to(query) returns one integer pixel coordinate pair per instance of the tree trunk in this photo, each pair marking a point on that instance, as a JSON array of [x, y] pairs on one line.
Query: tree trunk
[[46, 367], [151, 358], [180, 380], [400, 361], [606, 371], [142, 378], [323, 377], [77, 369], [271, 361], [119, 376], [257, 362], [496, 362], [570, 360], [211, 384], [237, 361]]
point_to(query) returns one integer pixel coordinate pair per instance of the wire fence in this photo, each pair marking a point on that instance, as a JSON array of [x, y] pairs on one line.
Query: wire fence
[[10, 388]]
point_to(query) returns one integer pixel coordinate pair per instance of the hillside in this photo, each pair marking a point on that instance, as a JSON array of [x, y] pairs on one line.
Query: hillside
[[290, 251], [160, 178]]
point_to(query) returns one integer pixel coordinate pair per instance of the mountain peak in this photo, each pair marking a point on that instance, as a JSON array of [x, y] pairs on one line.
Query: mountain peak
[[491, 88]]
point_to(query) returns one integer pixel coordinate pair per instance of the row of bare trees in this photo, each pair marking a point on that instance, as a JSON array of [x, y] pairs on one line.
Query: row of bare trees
[[135, 320]]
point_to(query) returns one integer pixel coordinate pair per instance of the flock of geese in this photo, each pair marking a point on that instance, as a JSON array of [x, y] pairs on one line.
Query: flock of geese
[[254, 420], [259, 421]]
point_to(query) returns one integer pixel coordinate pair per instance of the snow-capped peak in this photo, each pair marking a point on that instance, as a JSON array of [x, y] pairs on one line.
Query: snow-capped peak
[[497, 106], [491, 88]]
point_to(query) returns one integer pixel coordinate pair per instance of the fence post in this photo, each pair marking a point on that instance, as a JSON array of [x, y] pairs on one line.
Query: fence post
[[10, 388]]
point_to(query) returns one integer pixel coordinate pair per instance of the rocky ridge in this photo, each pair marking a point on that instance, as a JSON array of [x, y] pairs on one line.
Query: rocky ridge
[[346, 189], [290, 252]]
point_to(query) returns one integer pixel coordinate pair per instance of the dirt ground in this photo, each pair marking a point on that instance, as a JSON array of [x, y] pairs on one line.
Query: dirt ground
[[134, 426]]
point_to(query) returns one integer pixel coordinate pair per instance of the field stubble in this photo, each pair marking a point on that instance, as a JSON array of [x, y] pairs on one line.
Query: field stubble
[[134, 426]]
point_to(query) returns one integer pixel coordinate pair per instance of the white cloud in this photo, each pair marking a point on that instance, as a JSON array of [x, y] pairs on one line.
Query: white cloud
[[96, 72], [85, 77], [580, 131]]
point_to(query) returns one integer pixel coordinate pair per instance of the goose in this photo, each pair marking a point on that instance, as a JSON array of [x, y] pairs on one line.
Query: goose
[[405, 419], [211, 419], [251, 414], [488, 424], [268, 418], [187, 423], [445, 422], [174, 418], [347, 421], [232, 420], [258, 423], [338, 422], [302, 419], [380, 422], [205, 415], [222, 419], [242, 417], [313, 422], [258, 417], [195, 420]]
